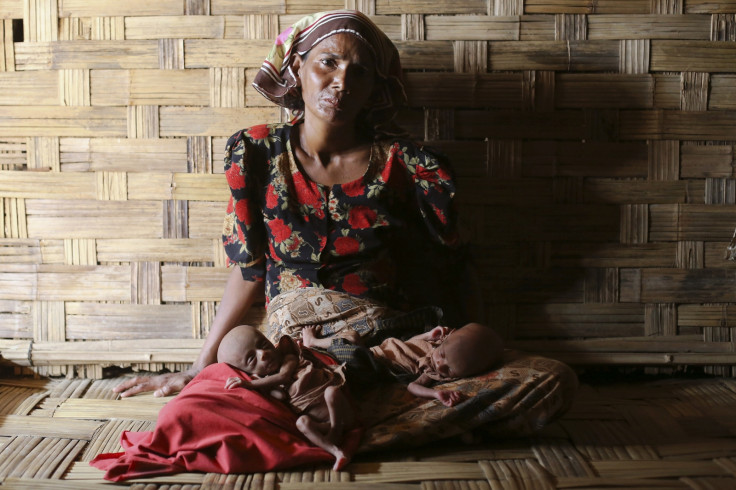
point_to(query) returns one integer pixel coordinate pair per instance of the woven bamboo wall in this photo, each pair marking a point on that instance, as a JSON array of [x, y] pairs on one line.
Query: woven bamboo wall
[[594, 141]]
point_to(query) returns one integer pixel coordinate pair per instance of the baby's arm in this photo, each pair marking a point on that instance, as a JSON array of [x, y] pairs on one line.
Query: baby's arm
[[419, 388], [435, 334], [288, 367]]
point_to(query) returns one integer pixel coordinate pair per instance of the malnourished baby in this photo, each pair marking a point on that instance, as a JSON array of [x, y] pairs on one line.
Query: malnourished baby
[[441, 354], [311, 389]]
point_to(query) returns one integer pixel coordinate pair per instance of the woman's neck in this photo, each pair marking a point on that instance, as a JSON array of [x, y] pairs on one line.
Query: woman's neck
[[324, 142]]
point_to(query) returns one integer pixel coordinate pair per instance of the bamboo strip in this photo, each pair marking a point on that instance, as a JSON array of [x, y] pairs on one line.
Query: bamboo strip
[[691, 56], [635, 193], [93, 321], [178, 27], [694, 91], [43, 154], [31, 88], [204, 219], [649, 26], [115, 351], [469, 28], [428, 55], [236, 7], [123, 155], [112, 186], [656, 469], [161, 250], [205, 53], [389, 7], [226, 87], [599, 91], [86, 55], [93, 219], [634, 56], [84, 282], [46, 184], [215, 121], [557, 55], [107, 440], [171, 54], [706, 316], [587, 7], [143, 122], [194, 187], [451, 90], [83, 8], [413, 471], [62, 121], [706, 161], [81, 473], [675, 125], [710, 7], [169, 87], [74, 87], [626, 344], [144, 408], [516, 474], [19, 425]]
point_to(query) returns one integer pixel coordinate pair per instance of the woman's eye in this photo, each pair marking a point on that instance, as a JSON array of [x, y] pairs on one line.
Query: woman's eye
[[328, 62]]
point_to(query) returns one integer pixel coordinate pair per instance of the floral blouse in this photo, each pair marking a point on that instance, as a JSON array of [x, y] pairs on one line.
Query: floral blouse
[[367, 237]]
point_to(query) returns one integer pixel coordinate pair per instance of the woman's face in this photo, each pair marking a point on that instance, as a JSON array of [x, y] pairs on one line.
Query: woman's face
[[337, 79]]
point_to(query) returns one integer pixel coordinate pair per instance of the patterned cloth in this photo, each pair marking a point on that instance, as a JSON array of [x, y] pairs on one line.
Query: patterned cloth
[[518, 398], [277, 81], [390, 235]]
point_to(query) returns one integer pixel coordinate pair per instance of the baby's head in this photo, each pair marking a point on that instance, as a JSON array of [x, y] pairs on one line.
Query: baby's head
[[467, 351], [247, 349]]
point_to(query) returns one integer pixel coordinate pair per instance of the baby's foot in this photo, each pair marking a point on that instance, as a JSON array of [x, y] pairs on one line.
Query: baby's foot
[[309, 335], [340, 460]]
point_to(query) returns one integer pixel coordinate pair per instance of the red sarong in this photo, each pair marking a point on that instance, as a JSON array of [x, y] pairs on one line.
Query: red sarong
[[211, 429]]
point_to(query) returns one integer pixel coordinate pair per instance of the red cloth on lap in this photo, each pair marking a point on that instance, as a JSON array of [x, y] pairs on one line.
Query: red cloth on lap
[[211, 429]]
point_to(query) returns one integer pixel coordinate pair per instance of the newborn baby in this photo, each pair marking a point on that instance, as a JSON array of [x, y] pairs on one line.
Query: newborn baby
[[311, 389], [441, 354]]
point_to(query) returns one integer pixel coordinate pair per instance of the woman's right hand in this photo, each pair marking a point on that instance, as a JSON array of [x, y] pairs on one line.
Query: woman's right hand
[[161, 385]]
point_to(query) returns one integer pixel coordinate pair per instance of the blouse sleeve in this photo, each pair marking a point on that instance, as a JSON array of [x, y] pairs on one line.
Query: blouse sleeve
[[434, 185], [243, 233]]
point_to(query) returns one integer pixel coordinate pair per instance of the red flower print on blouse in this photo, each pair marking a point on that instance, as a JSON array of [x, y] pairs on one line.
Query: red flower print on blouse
[[280, 230], [272, 199], [242, 211], [346, 245], [234, 179], [258, 132], [353, 285], [361, 217], [440, 214], [427, 175], [443, 174], [305, 193], [354, 188], [230, 206]]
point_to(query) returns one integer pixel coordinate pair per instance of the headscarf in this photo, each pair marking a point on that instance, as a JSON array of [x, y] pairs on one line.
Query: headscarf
[[278, 83]]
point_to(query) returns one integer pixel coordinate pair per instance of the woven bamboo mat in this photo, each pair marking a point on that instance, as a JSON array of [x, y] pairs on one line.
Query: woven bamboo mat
[[651, 434]]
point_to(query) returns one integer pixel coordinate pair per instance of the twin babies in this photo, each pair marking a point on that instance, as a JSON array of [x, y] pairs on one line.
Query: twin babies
[[315, 392]]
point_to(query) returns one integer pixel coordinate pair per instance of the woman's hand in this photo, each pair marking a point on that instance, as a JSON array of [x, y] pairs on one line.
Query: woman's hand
[[161, 385], [438, 332]]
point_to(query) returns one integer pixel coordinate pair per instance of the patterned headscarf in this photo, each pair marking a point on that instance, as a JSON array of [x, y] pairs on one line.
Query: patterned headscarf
[[278, 83]]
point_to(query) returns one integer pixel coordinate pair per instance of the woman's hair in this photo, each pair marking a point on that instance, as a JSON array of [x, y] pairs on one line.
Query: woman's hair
[[277, 81]]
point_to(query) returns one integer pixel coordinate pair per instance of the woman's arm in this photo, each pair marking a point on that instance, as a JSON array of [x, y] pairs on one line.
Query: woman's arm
[[238, 297]]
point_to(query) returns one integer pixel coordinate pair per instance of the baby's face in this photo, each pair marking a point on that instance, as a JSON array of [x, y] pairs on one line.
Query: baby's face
[[255, 354], [457, 356]]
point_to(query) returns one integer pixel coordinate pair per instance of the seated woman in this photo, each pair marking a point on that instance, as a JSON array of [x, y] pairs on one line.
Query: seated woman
[[337, 216]]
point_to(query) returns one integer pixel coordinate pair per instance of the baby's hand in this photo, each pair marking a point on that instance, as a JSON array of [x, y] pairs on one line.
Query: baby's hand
[[234, 382], [449, 398], [438, 332]]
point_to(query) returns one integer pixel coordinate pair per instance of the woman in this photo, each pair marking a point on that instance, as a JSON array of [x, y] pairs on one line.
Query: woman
[[335, 205]]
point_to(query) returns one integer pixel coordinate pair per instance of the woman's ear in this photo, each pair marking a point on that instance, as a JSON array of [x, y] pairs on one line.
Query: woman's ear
[[296, 65]]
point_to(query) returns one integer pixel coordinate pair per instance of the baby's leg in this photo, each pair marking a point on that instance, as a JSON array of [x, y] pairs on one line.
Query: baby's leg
[[317, 433], [310, 339]]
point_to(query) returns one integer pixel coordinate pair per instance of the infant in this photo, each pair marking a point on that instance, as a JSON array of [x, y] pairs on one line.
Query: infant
[[441, 354], [311, 389]]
